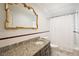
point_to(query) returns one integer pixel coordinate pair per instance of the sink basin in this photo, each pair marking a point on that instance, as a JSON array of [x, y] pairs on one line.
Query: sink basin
[[39, 42]]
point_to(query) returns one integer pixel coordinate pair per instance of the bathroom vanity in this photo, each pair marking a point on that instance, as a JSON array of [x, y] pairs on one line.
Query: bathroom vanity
[[32, 47]]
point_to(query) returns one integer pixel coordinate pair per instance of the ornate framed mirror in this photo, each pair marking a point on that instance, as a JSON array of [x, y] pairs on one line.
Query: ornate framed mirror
[[20, 16]]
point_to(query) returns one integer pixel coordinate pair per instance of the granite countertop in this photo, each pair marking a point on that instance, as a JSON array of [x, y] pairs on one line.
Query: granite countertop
[[25, 48]]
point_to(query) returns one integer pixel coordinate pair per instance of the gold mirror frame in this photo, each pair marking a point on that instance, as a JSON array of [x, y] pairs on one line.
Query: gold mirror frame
[[8, 22]]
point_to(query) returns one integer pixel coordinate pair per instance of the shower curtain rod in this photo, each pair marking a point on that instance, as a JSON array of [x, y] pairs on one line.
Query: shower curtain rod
[[64, 14]]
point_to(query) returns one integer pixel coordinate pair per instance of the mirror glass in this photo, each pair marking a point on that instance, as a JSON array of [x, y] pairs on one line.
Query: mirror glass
[[21, 17]]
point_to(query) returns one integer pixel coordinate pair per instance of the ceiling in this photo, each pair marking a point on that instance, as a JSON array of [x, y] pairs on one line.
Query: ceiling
[[55, 9]]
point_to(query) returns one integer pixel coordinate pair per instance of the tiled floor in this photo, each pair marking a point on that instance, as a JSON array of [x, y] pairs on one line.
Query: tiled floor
[[63, 52]]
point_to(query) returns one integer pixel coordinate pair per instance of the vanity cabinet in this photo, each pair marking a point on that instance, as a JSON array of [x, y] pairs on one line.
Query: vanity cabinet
[[45, 51], [32, 47]]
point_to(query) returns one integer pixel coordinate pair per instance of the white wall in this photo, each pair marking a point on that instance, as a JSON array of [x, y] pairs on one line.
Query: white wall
[[42, 26], [55, 9], [61, 31]]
